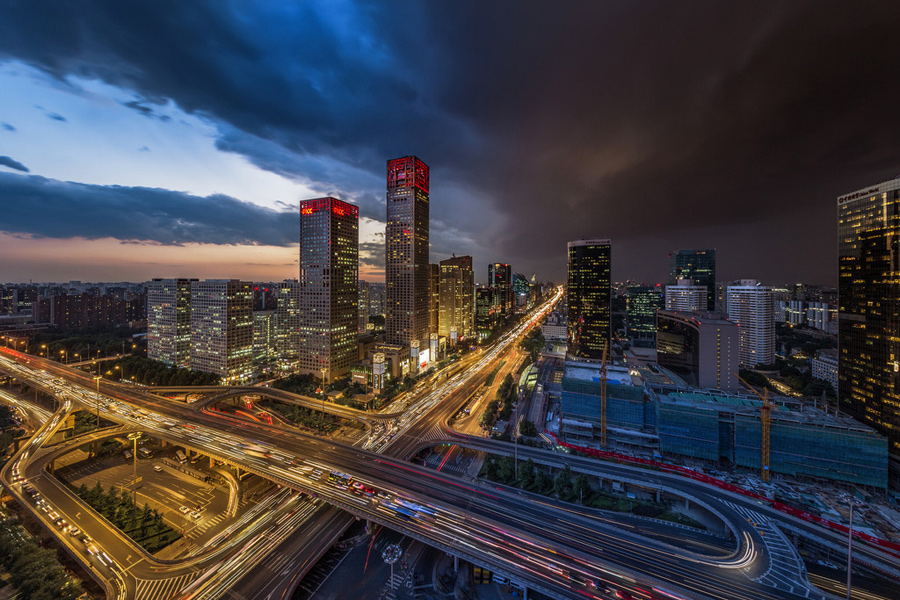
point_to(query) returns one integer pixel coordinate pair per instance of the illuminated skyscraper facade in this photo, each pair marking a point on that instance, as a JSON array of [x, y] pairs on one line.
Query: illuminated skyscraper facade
[[589, 298], [869, 311], [434, 298], [407, 271], [699, 266], [643, 302], [752, 307], [169, 321], [329, 296], [287, 324], [222, 328], [457, 291], [500, 281]]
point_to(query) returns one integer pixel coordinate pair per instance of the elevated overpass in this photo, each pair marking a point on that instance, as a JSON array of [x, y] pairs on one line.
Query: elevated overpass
[[489, 526]]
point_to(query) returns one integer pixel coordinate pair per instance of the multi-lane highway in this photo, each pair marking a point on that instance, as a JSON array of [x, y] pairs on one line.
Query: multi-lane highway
[[564, 554]]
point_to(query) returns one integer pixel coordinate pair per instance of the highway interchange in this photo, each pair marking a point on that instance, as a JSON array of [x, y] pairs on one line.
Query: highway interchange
[[565, 554]]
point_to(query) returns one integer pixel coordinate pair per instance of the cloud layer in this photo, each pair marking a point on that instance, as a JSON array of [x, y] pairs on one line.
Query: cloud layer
[[660, 125]]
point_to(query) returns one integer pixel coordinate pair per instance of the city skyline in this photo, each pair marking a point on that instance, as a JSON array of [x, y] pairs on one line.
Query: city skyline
[[120, 162]]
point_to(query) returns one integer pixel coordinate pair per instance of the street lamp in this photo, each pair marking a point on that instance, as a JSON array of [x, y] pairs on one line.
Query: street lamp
[[392, 554], [323, 400], [134, 436], [97, 378]]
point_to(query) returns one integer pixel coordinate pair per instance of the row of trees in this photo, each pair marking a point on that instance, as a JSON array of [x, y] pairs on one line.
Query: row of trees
[[533, 343], [301, 416], [145, 525], [572, 488], [109, 341], [501, 406], [9, 431], [34, 571], [153, 372]]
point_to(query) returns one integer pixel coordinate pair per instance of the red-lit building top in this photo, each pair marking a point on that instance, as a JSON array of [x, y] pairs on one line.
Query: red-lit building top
[[407, 171]]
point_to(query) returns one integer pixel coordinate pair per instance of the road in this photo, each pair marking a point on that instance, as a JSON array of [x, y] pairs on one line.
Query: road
[[558, 553]]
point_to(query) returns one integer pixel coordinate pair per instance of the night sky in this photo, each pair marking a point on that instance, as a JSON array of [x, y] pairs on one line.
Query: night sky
[[156, 139]]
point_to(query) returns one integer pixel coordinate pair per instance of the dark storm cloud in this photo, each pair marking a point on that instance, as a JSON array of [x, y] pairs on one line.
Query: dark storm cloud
[[12, 164], [687, 122], [136, 214]]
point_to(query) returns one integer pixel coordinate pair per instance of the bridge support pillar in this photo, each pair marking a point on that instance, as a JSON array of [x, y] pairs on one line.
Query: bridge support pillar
[[370, 527], [455, 563], [51, 467], [212, 462], [687, 504], [657, 495]]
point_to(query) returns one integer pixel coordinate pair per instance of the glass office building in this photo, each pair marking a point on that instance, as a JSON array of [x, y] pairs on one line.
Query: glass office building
[[589, 297]]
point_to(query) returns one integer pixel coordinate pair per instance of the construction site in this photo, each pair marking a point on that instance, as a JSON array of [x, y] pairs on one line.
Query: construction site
[[623, 410]]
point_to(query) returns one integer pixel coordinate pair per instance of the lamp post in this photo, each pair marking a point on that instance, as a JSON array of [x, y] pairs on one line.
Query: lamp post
[[392, 554], [97, 378], [323, 400], [850, 550], [134, 436]]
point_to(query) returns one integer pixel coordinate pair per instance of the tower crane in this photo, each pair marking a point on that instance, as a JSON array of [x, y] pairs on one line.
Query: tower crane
[[765, 418]]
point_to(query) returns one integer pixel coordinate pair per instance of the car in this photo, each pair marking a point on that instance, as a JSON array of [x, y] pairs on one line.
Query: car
[[74, 531], [184, 509], [195, 514], [157, 468]]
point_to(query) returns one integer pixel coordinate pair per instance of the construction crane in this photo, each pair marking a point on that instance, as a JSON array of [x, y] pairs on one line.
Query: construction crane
[[765, 418], [603, 397]]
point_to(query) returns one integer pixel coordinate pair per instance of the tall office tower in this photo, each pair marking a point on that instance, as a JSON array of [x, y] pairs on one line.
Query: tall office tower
[[287, 324], [869, 311], [434, 297], [222, 328], [264, 349], [752, 307], [699, 266], [500, 280], [329, 299], [376, 299], [485, 315], [702, 348], [407, 272], [169, 321], [643, 302], [589, 298], [362, 305], [684, 295], [457, 289]]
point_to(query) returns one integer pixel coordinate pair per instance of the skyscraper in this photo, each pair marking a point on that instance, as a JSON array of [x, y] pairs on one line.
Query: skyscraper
[[434, 298], [869, 311], [698, 265], [222, 328], [169, 321], [363, 305], [643, 302], [500, 281], [752, 307], [407, 274], [589, 297], [329, 297], [457, 310], [287, 324]]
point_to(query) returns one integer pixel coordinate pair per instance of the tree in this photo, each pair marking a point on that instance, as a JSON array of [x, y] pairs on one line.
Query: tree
[[527, 473], [541, 481], [582, 487], [527, 428], [562, 482]]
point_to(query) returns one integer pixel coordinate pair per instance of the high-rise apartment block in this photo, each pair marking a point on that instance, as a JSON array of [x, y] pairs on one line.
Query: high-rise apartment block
[[686, 296], [329, 297], [869, 311], [752, 307], [169, 321], [407, 271], [698, 266], [222, 328], [485, 312], [457, 297], [589, 297]]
